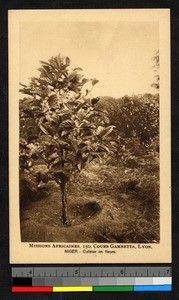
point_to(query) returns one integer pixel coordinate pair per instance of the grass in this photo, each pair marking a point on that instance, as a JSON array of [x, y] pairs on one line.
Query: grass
[[107, 203]]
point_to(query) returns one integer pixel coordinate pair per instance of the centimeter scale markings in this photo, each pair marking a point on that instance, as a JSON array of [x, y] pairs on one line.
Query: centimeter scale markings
[[61, 279]]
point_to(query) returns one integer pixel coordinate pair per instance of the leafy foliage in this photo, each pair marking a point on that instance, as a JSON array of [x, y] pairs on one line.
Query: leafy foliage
[[59, 123], [136, 116]]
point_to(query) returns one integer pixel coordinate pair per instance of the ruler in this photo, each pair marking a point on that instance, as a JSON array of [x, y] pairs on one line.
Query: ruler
[[65, 279]]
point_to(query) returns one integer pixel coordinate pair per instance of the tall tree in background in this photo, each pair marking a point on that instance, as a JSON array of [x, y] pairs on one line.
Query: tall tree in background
[[135, 116], [60, 125], [156, 67]]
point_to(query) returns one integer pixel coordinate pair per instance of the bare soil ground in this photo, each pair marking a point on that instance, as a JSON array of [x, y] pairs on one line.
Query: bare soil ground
[[106, 204]]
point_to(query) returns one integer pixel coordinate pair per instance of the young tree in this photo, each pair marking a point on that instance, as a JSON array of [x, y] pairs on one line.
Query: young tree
[[60, 125]]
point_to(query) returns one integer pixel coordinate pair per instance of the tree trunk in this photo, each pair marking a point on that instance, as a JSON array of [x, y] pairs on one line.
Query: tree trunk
[[64, 202]]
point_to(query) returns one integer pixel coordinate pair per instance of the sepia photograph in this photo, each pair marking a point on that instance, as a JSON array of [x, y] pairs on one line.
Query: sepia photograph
[[92, 99]]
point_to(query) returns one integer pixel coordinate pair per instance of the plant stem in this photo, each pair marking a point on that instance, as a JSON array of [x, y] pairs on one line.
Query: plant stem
[[63, 192], [64, 201]]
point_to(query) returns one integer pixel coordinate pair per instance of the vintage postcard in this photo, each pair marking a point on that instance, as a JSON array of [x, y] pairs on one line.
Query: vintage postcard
[[89, 136]]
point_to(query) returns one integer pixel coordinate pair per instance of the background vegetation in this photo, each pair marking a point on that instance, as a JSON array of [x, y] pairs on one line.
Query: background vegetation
[[112, 185]]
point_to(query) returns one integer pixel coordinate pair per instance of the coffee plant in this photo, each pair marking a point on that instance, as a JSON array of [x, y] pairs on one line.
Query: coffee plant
[[60, 125]]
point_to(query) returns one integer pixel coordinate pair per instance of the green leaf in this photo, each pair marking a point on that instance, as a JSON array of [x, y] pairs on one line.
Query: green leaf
[[94, 81], [35, 108], [64, 112], [49, 149], [65, 132], [67, 124], [34, 156], [103, 132], [40, 69], [62, 143], [44, 63], [78, 69], [67, 61], [43, 129], [99, 130], [32, 138], [54, 119], [59, 61], [79, 166], [28, 113], [26, 91], [52, 100], [84, 80], [94, 100], [23, 85], [23, 143], [104, 147]]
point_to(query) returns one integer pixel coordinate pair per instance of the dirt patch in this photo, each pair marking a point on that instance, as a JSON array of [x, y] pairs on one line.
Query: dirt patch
[[83, 212], [104, 208]]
